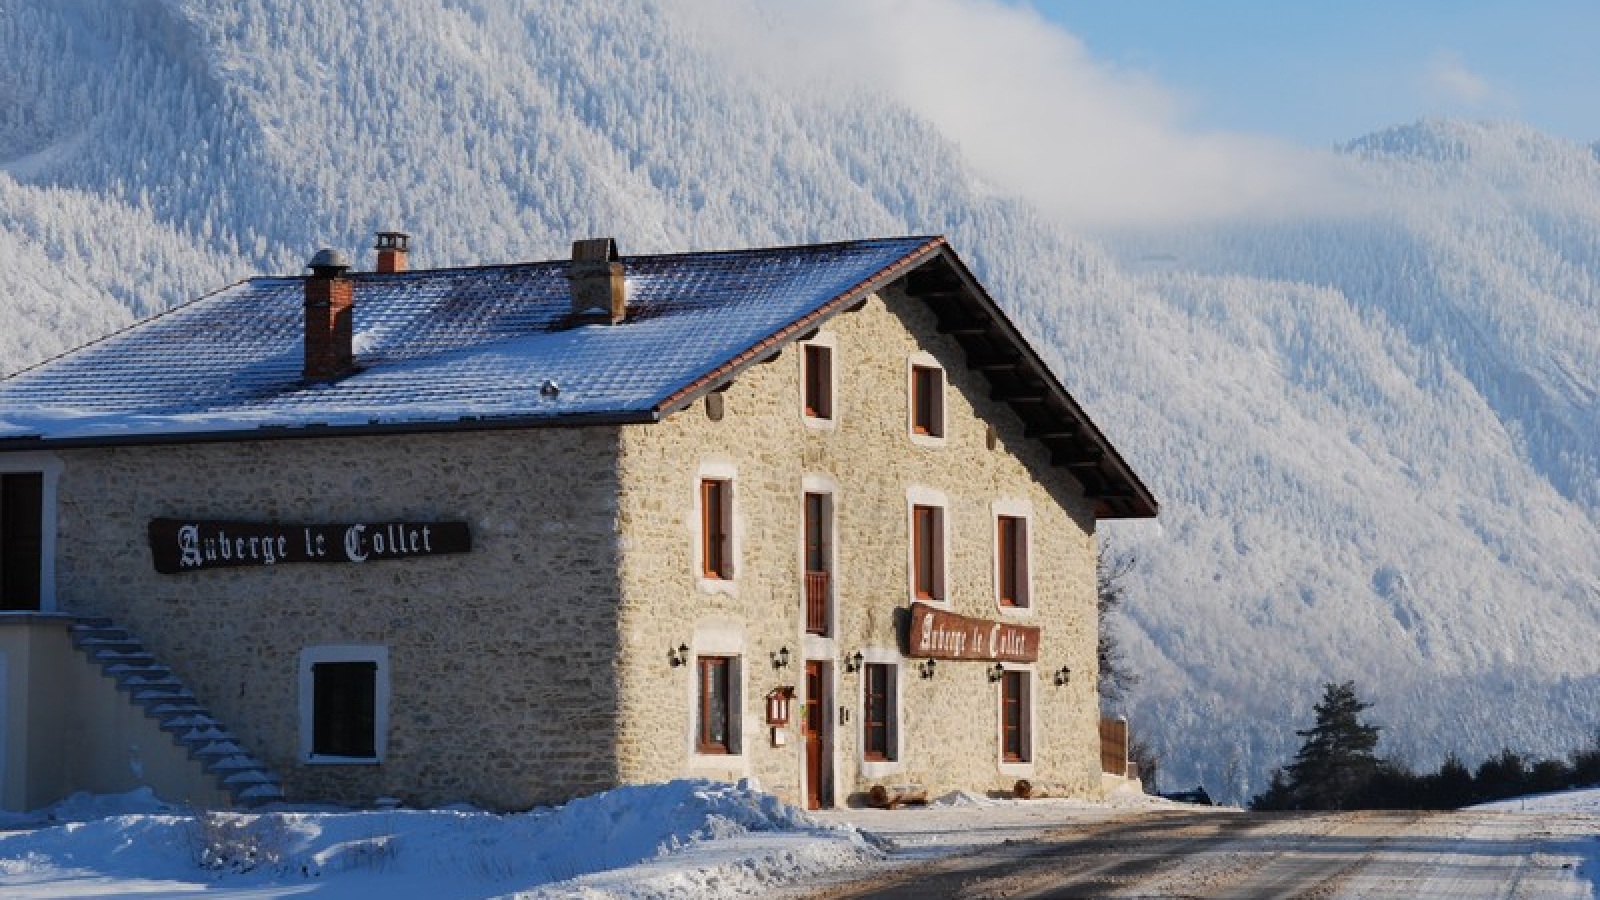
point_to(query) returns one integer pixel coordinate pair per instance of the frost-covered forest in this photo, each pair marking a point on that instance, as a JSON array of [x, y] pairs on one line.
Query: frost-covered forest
[[1376, 434]]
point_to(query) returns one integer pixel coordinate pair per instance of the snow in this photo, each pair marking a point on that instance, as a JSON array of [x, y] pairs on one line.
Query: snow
[[682, 839]]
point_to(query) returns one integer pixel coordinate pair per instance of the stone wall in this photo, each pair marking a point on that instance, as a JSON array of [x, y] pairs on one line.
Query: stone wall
[[501, 661], [949, 723]]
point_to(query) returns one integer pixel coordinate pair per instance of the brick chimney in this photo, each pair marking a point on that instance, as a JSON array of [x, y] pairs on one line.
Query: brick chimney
[[597, 284], [330, 309], [393, 247]]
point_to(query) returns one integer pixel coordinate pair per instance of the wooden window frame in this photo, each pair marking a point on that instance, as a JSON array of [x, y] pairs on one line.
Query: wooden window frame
[[716, 528], [706, 669], [927, 552], [1012, 582], [926, 396], [817, 381], [1016, 714], [879, 725]]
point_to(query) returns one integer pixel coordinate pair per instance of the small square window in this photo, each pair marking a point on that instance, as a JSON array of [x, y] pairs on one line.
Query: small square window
[[818, 381], [718, 713], [927, 401], [344, 698]]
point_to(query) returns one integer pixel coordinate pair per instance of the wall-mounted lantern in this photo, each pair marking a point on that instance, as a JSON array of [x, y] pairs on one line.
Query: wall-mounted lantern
[[927, 667], [1062, 676], [997, 672], [679, 656], [780, 658], [852, 663]]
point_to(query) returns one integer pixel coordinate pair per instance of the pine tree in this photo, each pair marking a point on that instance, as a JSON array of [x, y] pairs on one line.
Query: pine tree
[[1335, 764]]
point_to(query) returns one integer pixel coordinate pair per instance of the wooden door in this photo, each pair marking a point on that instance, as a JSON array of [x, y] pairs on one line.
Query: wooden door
[[819, 758]]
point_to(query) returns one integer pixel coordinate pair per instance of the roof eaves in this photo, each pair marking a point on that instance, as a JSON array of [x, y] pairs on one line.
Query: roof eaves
[[34, 442], [1132, 498]]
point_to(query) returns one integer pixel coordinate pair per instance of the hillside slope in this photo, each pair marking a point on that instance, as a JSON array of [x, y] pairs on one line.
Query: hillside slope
[[1374, 436]]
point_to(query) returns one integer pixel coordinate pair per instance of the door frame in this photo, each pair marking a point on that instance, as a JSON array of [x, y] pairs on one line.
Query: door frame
[[818, 707]]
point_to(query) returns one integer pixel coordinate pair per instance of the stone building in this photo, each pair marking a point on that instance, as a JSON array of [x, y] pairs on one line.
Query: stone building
[[507, 535]]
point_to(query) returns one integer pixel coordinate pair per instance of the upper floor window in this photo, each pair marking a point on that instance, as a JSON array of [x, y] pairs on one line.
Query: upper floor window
[[1011, 560], [716, 528], [817, 362], [927, 552], [927, 398], [818, 561]]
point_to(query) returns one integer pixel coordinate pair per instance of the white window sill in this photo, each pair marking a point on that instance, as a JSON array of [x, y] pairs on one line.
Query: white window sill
[[342, 760], [883, 769]]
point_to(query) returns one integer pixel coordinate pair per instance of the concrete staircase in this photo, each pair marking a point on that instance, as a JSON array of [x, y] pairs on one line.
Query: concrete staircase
[[164, 698]]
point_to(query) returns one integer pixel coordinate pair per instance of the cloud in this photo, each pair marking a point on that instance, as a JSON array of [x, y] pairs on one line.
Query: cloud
[[1450, 85], [1038, 116]]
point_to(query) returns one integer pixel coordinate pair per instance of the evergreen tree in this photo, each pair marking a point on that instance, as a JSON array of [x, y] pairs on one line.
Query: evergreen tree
[[1336, 764]]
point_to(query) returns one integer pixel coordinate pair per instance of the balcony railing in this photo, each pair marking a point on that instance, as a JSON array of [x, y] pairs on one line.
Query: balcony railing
[[817, 603]]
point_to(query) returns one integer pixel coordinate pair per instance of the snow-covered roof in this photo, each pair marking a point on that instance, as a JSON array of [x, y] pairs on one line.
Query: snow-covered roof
[[493, 346]]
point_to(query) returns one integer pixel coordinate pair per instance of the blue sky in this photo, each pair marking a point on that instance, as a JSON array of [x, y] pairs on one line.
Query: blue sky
[[1321, 73]]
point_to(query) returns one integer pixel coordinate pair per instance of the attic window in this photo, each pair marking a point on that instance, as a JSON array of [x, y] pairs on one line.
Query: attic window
[[817, 380], [927, 400]]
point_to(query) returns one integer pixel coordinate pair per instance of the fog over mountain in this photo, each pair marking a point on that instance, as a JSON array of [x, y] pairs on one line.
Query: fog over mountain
[[1374, 424]]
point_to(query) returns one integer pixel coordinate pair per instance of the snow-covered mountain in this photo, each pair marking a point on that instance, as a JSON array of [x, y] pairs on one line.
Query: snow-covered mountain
[[1374, 434]]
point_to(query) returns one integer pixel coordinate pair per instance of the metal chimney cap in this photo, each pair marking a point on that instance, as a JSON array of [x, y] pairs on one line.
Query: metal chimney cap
[[329, 261]]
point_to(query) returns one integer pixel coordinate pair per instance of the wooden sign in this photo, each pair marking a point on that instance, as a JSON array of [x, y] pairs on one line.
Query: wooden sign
[[937, 634], [180, 545]]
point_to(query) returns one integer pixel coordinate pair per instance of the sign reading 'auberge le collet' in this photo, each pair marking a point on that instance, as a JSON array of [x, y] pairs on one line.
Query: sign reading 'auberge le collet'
[[180, 545]]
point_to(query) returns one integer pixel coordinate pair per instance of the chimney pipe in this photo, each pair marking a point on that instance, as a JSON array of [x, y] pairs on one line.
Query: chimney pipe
[[599, 295], [330, 309], [393, 248]]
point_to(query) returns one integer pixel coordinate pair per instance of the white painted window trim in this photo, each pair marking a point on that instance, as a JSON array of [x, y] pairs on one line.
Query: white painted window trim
[[48, 465], [1029, 687], [725, 471], [1021, 509], [881, 768], [338, 653], [922, 359], [818, 646], [920, 496], [829, 340], [720, 639]]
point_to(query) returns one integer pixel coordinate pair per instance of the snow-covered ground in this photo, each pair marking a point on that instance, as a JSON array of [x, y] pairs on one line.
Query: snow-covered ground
[[684, 839]]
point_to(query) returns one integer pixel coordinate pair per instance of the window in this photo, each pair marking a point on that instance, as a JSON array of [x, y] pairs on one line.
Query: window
[[344, 698], [717, 718], [1011, 560], [818, 561], [716, 519], [927, 552], [927, 401], [1015, 740], [21, 540], [818, 363], [879, 742]]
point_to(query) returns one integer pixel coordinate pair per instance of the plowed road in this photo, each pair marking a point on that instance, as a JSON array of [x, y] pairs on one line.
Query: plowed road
[[1214, 855]]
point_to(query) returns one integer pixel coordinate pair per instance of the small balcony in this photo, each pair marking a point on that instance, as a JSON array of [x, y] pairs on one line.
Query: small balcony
[[817, 603]]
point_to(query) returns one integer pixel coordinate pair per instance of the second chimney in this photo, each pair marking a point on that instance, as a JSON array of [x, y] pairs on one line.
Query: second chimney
[[393, 248], [330, 314], [598, 288]]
